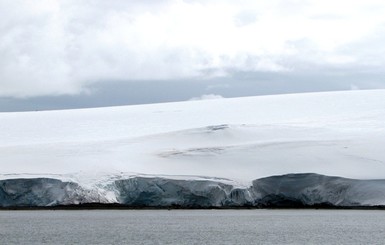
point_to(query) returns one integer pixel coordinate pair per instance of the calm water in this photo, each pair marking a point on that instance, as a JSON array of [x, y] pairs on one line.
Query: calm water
[[193, 227]]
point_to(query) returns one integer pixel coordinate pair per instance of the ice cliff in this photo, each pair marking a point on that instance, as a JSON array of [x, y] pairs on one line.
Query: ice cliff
[[292, 190], [44, 192], [314, 189], [183, 193]]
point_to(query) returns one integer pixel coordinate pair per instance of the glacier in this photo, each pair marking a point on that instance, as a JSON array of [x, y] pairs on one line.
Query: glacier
[[315, 189], [44, 192], [234, 152], [291, 190]]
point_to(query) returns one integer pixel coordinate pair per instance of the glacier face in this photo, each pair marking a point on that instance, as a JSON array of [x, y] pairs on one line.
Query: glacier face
[[44, 192], [313, 189], [292, 190], [184, 193]]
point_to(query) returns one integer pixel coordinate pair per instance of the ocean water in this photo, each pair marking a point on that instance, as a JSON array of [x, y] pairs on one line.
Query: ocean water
[[193, 227]]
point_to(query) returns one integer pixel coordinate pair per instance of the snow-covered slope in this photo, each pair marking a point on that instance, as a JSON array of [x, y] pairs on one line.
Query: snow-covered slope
[[334, 133]]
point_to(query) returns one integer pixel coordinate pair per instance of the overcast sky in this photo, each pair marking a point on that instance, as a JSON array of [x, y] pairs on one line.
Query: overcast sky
[[82, 53]]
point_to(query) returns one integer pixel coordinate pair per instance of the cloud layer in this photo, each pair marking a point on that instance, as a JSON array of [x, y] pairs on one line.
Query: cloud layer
[[52, 47]]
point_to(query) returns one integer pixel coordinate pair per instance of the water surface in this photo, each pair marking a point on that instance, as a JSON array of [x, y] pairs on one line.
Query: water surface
[[193, 227]]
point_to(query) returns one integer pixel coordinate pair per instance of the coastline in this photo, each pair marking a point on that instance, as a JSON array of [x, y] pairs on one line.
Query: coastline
[[117, 206]]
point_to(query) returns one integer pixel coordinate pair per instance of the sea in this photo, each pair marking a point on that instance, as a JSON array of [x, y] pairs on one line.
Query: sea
[[254, 226]]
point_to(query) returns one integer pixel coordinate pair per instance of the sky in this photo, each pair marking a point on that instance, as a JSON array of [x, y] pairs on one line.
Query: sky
[[58, 54]]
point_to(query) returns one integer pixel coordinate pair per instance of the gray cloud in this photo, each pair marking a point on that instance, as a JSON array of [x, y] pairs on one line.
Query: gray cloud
[[238, 84], [69, 48]]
